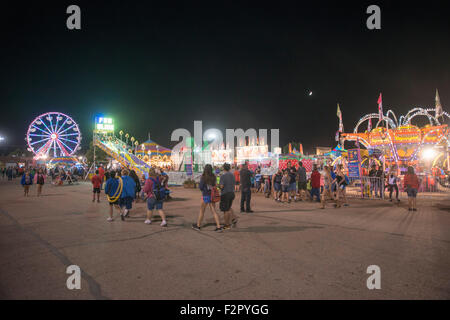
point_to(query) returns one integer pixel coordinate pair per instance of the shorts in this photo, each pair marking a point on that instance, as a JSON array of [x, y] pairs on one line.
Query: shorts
[[226, 200], [115, 203], [302, 186], [207, 199], [412, 192], [152, 203], [285, 188], [277, 186], [292, 186], [126, 202], [96, 190]]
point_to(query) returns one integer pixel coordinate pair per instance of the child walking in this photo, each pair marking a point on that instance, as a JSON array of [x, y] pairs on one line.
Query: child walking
[[27, 181]]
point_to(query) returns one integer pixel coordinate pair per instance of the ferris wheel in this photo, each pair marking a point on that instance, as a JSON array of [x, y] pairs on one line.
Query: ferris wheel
[[53, 134]]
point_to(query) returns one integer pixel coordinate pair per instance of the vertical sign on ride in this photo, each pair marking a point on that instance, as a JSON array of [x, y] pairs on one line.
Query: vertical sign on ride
[[353, 163]]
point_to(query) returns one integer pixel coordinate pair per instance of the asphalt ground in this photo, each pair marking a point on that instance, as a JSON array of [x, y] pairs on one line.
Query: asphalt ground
[[281, 251]]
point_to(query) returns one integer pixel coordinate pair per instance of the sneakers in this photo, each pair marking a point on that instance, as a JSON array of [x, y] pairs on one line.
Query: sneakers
[[225, 227], [163, 224], [220, 229], [110, 219], [195, 227], [148, 221]]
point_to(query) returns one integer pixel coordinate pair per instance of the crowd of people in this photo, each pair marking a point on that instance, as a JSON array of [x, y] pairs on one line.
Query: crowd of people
[[219, 185], [123, 187]]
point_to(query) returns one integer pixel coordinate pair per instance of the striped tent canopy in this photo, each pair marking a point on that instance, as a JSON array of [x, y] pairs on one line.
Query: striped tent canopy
[[155, 148], [336, 152], [290, 156], [64, 161]]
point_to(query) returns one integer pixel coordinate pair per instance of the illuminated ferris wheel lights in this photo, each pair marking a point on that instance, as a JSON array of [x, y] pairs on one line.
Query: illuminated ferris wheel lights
[[53, 137]]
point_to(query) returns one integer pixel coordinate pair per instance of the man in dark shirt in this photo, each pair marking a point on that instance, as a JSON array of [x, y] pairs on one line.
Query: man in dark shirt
[[302, 181], [246, 191], [292, 172], [226, 184]]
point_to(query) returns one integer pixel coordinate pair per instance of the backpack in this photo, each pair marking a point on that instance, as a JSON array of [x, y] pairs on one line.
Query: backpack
[[159, 192]]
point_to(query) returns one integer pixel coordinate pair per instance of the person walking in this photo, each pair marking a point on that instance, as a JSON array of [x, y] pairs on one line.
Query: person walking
[[128, 193], [236, 178], [411, 182], [96, 184], [285, 182], [302, 180], [101, 173], [40, 180], [207, 183], [9, 173], [276, 182], [155, 192], [136, 180], [26, 181], [315, 183], [292, 189], [381, 178], [340, 186], [113, 190], [327, 193], [227, 183], [392, 181], [246, 191]]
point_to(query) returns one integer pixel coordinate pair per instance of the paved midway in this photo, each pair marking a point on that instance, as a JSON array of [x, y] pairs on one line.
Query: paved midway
[[282, 251]]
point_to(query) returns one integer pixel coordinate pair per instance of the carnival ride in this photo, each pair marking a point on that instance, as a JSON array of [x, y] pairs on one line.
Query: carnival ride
[[154, 154], [121, 152], [401, 142], [53, 134], [128, 156]]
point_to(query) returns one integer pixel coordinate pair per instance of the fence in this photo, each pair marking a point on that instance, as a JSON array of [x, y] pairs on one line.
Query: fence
[[376, 188], [366, 187]]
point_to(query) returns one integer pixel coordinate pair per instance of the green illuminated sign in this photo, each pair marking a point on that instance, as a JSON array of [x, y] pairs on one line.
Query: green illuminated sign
[[104, 124]]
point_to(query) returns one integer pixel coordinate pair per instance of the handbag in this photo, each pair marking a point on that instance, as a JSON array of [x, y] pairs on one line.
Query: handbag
[[215, 194]]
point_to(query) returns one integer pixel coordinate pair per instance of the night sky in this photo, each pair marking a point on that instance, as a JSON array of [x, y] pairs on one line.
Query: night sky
[[159, 65]]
